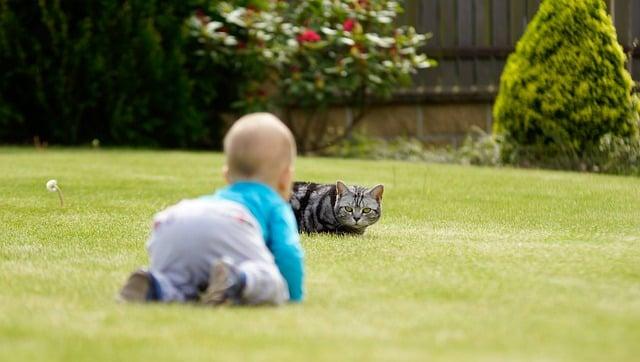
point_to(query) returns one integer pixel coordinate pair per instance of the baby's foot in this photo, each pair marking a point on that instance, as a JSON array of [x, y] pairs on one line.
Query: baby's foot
[[137, 287], [225, 284]]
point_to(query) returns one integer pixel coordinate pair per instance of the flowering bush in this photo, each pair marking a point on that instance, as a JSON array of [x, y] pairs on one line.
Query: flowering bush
[[311, 54]]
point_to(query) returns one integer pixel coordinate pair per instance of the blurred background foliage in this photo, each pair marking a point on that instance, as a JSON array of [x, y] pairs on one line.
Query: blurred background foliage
[[161, 73], [113, 70]]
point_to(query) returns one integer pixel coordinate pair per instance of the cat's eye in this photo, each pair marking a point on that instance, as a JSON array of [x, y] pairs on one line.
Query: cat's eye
[[348, 208], [366, 210]]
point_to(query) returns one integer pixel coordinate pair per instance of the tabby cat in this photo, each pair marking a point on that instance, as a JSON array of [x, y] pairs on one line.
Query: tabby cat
[[335, 208]]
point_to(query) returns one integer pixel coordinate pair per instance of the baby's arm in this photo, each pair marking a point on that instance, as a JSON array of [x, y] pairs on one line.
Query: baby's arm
[[284, 243]]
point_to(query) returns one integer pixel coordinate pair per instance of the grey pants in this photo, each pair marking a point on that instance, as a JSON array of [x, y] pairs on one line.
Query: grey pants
[[190, 236]]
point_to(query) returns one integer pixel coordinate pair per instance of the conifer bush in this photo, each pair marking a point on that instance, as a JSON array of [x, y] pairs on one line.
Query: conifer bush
[[565, 87]]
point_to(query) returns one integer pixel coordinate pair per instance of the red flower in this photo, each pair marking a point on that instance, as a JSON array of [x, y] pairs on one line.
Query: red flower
[[348, 24], [309, 36]]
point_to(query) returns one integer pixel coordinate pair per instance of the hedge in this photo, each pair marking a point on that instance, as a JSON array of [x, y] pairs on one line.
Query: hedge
[[114, 70]]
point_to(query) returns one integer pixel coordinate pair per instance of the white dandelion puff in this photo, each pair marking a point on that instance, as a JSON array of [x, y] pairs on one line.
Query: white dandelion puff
[[52, 186]]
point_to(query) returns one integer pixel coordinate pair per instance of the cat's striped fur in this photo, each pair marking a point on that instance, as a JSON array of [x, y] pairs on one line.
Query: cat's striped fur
[[336, 208]]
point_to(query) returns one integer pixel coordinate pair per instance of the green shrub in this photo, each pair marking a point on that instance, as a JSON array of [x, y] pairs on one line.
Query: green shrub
[[565, 87], [359, 145], [618, 155], [479, 148], [114, 70]]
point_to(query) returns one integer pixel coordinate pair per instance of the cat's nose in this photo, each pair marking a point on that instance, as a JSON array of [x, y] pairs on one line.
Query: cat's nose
[[356, 218]]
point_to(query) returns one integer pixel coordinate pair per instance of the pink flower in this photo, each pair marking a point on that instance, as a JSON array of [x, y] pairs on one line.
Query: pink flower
[[348, 24], [309, 36]]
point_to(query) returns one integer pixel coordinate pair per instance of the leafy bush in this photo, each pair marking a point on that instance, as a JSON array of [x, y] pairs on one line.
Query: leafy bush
[[617, 155], [359, 145], [565, 88], [480, 148], [113, 70], [311, 54]]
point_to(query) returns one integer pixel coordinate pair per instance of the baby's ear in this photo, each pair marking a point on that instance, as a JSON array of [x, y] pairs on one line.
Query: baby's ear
[[225, 174], [376, 192], [341, 187]]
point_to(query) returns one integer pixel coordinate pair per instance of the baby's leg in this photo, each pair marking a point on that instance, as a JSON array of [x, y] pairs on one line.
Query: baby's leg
[[240, 242], [181, 252], [264, 283]]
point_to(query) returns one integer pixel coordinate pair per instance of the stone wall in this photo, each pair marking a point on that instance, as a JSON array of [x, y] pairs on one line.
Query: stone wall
[[440, 123]]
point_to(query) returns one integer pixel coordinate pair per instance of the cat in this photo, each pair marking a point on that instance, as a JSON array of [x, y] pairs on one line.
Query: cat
[[338, 208]]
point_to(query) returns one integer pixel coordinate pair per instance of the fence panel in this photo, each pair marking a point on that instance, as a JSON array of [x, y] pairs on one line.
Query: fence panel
[[635, 38], [622, 18], [428, 22], [472, 39], [466, 29], [448, 40], [517, 19], [484, 67], [532, 7]]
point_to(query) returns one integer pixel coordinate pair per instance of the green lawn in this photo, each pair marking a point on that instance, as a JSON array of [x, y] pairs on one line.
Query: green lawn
[[466, 264]]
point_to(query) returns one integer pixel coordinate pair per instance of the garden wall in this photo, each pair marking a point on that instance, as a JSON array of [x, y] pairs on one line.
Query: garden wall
[[437, 123]]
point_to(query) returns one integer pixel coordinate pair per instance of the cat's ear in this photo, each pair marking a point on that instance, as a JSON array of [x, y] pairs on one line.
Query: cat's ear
[[341, 187], [377, 191]]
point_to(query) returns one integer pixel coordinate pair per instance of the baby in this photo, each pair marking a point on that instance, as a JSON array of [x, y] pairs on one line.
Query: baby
[[239, 245]]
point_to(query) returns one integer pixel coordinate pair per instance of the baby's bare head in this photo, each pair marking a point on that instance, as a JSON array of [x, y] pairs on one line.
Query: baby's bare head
[[259, 147]]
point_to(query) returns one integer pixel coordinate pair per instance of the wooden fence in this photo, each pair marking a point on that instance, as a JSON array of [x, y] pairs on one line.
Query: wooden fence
[[472, 39]]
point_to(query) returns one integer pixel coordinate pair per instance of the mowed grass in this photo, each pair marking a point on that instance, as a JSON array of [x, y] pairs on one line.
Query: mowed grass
[[467, 263]]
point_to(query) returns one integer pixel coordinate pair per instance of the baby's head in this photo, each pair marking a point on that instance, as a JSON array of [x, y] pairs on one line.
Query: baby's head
[[260, 147]]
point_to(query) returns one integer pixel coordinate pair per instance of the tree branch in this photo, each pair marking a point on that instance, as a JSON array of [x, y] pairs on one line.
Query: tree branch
[[360, 99], [346, 133]]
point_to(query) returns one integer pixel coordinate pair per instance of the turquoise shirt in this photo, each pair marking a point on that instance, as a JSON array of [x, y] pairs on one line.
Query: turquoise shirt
[[279, 228]]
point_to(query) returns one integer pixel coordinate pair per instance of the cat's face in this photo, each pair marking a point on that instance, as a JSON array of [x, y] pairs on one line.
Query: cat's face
[[358, 207]]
